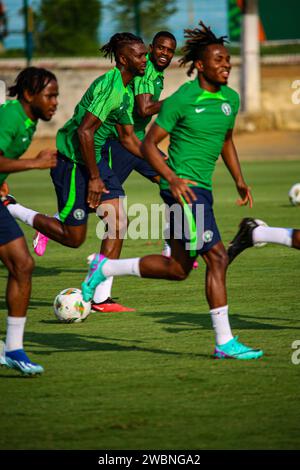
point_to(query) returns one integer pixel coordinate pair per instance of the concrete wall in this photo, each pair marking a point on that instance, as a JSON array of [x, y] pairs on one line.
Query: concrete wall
[[75, 75]]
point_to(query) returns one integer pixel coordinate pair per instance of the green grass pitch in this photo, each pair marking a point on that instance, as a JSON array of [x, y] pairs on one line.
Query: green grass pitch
[[146, 380]]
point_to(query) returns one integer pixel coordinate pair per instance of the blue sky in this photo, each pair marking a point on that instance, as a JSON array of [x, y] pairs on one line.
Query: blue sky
[[212, 12]]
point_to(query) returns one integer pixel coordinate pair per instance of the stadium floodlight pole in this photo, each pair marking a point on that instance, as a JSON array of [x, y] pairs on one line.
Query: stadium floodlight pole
[[28, 31], [137, 17], [250, 70]]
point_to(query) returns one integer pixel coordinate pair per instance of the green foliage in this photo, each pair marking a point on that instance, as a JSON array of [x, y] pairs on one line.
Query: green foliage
[[153, 15], [67, 26]]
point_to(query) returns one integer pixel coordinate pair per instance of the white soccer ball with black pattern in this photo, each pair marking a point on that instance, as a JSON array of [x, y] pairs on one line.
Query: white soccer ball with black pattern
[[69, 306], [294, 194]]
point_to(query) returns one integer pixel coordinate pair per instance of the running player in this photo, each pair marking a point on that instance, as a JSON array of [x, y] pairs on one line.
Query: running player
[[200, 118], [83, 180], [36, 90], [147, 90], [250, 233]]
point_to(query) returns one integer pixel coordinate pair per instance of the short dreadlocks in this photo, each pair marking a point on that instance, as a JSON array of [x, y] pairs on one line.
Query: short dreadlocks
[[197, 41]]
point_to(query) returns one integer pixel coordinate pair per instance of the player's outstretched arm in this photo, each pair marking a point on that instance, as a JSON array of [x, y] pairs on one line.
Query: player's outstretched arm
[[178, 186], [45, 159], [129, 140], [231, 160]]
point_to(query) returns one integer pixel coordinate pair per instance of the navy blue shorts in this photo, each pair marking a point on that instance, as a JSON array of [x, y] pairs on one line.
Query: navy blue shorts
[[9, 229], [122, 162], [195, 224], [71, 185]]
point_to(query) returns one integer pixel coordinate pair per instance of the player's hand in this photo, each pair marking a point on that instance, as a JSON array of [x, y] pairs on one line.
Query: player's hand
[[165, 157], [180, 189], [95, 189], [46, 159], [245, 193], [4, 189]]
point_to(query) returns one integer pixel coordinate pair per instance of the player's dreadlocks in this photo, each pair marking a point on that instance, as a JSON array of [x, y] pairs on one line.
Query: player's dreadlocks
[[117, 42], [31, 79], [197, 41]]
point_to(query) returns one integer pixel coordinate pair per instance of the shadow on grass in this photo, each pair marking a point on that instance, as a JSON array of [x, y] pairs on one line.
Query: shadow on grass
[[72, 342], [41, 271], [180, 322], [34, 304]]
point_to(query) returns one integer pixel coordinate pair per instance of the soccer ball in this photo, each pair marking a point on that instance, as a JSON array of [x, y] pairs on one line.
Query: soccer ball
[[260, 222], [294, 194], [69, 306]]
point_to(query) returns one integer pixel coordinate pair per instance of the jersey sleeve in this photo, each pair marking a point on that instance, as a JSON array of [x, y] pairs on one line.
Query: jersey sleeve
[[170, 112], [7, 131], [235, 110], [126, 118], [105, 100], [143, 85]]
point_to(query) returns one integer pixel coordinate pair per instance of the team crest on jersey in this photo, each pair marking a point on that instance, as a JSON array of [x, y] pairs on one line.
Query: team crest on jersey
[[226, 108], [207, 236], [79, 214]]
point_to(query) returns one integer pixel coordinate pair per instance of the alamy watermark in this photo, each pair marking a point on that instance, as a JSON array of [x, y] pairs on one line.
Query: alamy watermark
[[153, 222], [2, 92], [296, 93], [296, 354]]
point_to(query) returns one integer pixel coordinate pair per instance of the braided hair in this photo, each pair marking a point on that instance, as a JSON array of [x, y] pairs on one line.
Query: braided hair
[[197, 41], [117, 42], [31, 79]]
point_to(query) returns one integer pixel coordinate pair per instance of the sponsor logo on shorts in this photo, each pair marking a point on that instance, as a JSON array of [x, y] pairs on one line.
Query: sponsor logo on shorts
[[226, 108], [208, 236], [79, 214]]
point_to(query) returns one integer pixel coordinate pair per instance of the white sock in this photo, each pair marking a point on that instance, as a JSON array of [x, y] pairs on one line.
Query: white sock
[[14, 333], [122, 267], [282, 236], [220, 322], [103, 290], [22, 213], [166, 250]]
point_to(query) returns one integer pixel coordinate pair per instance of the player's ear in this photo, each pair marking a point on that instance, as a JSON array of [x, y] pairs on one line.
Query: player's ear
[[199, 65], [122, 59], [27, 96]]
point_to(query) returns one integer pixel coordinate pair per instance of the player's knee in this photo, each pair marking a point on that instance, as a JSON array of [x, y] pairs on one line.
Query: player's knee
[[122, 225], [75, 241], [296, 239], [220, 260], [176, 270], [23, 267]]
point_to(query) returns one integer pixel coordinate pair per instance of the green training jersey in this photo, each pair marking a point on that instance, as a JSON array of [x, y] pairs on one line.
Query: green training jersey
[[16, 131], [110, 101], [151, 83], [197, 121]]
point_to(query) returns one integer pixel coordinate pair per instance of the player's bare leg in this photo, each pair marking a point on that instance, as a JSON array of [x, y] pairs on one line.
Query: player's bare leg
[[216, 261], [67, 235], [175, 268], [112, 211], [16, 257]]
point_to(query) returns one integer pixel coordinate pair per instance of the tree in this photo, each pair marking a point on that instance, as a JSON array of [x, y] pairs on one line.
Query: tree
[[67, 26], [151, 14]]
